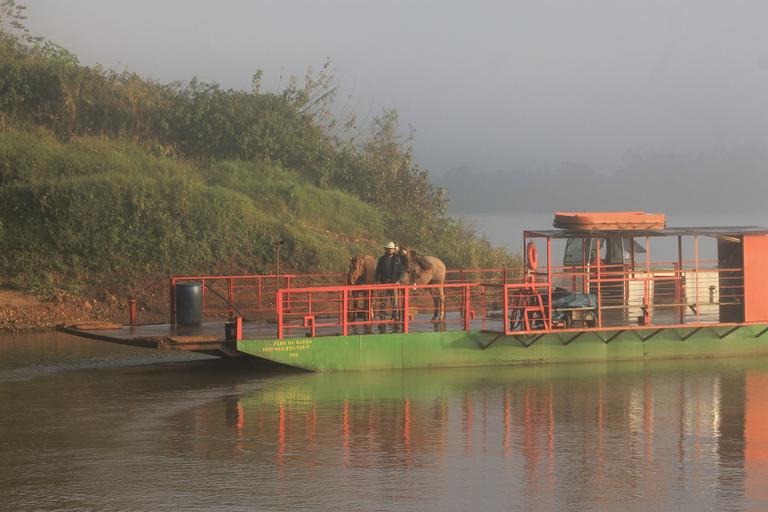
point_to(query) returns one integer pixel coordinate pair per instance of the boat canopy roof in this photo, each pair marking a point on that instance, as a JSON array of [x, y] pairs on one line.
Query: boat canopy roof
[[720, 231]]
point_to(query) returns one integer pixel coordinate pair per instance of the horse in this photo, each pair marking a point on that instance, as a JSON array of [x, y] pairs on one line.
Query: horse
[[426, 270], [362, 271]]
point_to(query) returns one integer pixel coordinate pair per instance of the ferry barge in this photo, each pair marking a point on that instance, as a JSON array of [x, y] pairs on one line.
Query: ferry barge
[[597, 287]]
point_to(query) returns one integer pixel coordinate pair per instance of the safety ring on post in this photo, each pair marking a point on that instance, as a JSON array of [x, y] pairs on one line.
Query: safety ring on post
[[532, 257]]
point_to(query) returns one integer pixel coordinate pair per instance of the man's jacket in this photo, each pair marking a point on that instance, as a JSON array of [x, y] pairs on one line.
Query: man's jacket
[[389, 269]]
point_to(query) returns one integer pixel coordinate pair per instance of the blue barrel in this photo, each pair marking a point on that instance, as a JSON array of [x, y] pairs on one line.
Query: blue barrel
[[189, 303]]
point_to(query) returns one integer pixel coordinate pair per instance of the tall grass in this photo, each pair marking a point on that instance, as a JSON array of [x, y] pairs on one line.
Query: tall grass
[[99, 205]]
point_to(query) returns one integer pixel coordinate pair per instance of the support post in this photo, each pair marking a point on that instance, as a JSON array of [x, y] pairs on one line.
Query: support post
[[132, 311], [345, 312], [585, 266], [231, 294], [679, 280], [599, 290], [172, 294], [406, 310], [202, 296], [696, 262], [238, 328], [506, 319], [466, 307], [549, 284], [651, 289]]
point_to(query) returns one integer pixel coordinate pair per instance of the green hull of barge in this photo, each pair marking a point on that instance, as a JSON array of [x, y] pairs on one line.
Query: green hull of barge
[[458, 349]]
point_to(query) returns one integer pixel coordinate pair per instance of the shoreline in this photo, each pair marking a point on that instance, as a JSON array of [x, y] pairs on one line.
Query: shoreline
[[24, 313]]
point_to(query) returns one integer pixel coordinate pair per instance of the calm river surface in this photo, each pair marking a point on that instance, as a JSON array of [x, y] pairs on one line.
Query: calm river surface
[[91, 426]]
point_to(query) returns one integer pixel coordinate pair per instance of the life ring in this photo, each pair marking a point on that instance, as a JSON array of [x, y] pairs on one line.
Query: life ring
[[532, 256]]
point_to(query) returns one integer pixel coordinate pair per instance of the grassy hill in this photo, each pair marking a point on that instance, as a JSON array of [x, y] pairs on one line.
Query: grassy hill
[[107, 206], [75, 212], [107, 176]]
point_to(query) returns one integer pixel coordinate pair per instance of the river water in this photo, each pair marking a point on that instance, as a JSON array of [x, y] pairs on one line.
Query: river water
[[91, 426]]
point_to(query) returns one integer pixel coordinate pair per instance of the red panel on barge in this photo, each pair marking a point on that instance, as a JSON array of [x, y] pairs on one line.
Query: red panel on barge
[[755, 278]]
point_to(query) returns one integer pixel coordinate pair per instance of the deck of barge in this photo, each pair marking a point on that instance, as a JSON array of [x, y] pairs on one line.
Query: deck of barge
[[210, 337], [207, 338]]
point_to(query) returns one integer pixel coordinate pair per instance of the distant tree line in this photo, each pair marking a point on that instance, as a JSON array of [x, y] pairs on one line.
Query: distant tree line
[[716, 180]]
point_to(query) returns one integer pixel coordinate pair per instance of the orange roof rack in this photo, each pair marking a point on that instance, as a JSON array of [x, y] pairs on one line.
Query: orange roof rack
[[589, 221]]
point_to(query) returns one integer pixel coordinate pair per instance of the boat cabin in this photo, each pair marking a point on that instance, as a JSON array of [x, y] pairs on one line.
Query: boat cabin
[[613, 270]]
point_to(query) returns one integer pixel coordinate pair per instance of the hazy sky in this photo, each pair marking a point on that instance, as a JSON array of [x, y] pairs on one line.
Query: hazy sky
[[491, 85]]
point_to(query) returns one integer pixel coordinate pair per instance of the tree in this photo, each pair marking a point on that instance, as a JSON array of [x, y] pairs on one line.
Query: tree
[[12, 19]]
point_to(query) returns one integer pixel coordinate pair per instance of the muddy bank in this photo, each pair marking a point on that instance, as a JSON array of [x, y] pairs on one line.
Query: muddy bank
[[22, 312]]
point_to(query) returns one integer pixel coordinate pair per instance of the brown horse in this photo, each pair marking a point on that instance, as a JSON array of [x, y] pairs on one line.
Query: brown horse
[[426, 270], [362, 270]]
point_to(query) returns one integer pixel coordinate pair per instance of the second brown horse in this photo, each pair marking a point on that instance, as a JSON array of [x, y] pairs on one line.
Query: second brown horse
[[426, 270]]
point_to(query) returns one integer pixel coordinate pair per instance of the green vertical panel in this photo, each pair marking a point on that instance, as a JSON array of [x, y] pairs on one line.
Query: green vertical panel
[[381, 351], [336, 353], [626, 346], [441, 349]]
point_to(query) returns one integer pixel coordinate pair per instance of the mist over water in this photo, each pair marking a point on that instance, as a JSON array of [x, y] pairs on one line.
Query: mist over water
[[506, 229], [489, 86]]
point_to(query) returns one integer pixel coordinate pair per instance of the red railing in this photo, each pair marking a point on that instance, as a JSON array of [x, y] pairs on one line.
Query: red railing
[[620, 297], [343, 310], [681, 292], [255, 295], [527, 307], [249, 296], [484, 275]]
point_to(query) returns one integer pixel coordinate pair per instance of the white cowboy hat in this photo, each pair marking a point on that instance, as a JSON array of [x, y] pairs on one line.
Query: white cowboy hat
[[390, 245]]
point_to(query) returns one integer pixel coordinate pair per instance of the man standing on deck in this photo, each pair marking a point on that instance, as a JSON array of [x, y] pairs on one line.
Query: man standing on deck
[[389, 270]]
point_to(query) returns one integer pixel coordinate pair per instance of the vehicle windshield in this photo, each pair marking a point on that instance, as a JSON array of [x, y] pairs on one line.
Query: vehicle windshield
[[615, 251]]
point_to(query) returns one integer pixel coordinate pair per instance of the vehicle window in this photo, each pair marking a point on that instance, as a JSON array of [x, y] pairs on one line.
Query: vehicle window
[[574, 252], [613, 253]]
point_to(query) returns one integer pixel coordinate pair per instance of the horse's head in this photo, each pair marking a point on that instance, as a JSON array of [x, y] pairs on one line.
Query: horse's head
[[355, 268], [410, 266]]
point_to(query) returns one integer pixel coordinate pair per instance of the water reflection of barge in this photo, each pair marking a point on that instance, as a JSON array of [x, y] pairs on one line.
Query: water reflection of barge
[[608, 298], [682, 428]]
